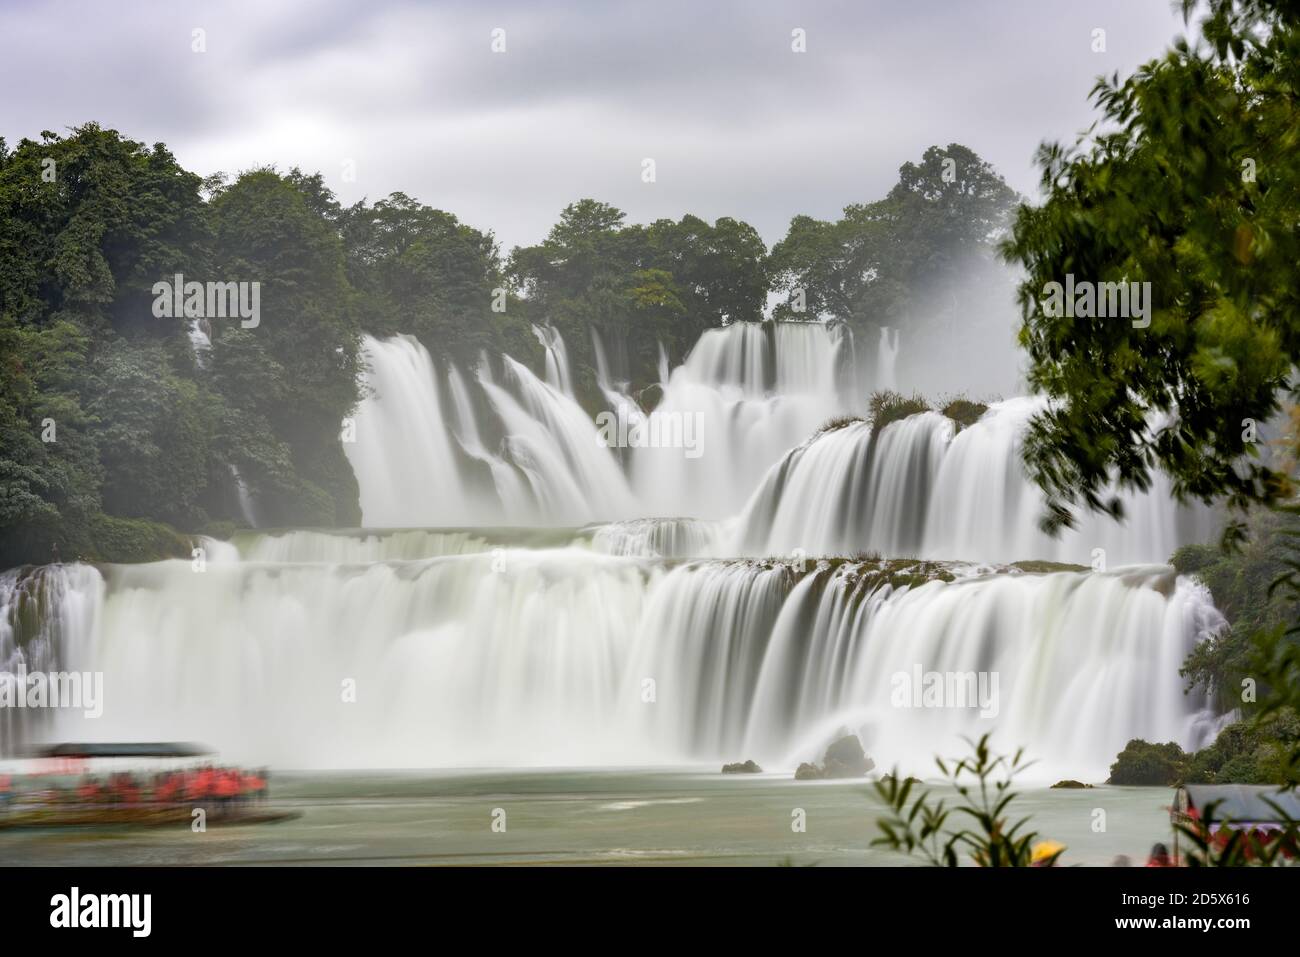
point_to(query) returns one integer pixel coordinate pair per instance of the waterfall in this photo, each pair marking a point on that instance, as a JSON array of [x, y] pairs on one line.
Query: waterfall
[[563, 656], [661, 538], [923, 488], [420, 460], [755, 390], [615, 392], [558, 376], [404, 453], [887, 359], [759, 359], [750, 391], [199, 333], [553, 442], [47, 616], [765, 669], [437, 449], [307, 547], [247, 507], [525, 594]]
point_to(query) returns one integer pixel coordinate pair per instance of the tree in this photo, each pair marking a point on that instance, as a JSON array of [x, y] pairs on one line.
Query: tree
[[579, 278], [88, 222], [1144, 763], [1241, 581], [881, 262], [720, 269], [596, 272], [1190, 182], [828, 263], [423, 272], [49, 481], [303, 355], [154, 435]]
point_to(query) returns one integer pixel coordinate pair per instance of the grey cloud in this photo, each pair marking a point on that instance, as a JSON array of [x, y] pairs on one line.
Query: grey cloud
[[737, 123]]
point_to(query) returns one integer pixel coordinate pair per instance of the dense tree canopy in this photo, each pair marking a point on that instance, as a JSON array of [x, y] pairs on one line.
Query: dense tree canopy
[[881, 262], [105, 409], [1189, 182], [421, 271], [639, 287], [87, 223], [303, 356]]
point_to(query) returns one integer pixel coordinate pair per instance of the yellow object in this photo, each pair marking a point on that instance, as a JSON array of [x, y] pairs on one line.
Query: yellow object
[[1044, 851]]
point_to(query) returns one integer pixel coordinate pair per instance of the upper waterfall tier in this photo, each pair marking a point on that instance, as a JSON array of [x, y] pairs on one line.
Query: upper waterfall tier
[[436, 447]]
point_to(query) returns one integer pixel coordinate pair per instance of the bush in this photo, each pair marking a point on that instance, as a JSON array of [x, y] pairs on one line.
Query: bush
[[223, 529], [964, 412], [116, 539], [1241, 583], [842, 422], [1143, 763], [887, 407], [981, 830], [1191, 559], [1245, 753]]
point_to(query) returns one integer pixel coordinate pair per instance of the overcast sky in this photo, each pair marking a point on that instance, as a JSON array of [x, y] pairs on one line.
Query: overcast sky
[[737, 123]]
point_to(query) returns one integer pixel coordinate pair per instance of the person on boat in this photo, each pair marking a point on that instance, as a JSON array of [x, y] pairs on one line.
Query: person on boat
[[1159, 857], [171, 790], [256, 784], [6, 790], [89, 791], [246, 792], [199, 784], [225, 786], [128, 789]]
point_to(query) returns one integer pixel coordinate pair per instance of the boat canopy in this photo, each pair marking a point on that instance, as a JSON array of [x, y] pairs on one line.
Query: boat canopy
[[110, 749], [1240, 804]]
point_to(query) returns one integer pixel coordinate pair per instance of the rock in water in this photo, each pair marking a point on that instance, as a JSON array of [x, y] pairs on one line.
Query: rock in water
[[748, 767], [846, 759], [1070, 783]]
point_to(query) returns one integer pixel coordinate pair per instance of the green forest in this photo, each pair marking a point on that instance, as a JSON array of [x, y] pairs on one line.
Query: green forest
[[114, 440]]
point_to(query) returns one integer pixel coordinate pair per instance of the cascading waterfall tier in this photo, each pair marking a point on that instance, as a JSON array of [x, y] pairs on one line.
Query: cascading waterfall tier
[[563, 656], [661, 538], [923, 488], [745, 395], [421, 460], [47, 615], [753, 393]]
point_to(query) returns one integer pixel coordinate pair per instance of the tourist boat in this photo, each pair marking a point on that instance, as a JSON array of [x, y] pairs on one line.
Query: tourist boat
[[1261, 813], [99, 785]]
